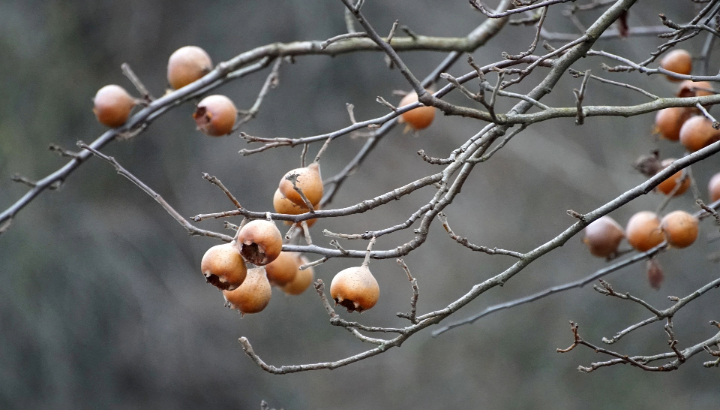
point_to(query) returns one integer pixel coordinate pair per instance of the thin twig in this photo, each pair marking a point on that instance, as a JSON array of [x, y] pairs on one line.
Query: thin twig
[[192, 230], [147, 97]]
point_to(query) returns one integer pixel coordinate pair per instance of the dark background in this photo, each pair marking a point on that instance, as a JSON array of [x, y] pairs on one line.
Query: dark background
[[102, 304]]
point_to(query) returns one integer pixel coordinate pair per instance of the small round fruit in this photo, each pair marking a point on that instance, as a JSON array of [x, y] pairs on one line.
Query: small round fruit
[[283, 269], [668, 185], [680, 228], [302, 280], [697, 133], [113, 105], [678, 61], [355, 289], [308, 180], [215, 115], [283, 205], [418, 118], [603, 236], [253, 295], [689, 88], [260, 242], [714, 187], [668, 122], [187, 65], [643, 231], [223, 267]]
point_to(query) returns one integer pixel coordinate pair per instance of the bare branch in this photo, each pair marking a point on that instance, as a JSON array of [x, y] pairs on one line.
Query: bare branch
[[192, 230]]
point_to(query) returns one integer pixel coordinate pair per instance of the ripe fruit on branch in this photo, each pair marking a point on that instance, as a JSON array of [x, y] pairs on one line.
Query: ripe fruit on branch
[[418, 118], [306, 179], [355, 288], [113, 105], [187, 65], [283, 269], [253, 295], [689, 88], [260, 242], [668, 121], [643, 231], [668, 185], [215, 115], [697, 133], [223, 267], [678, 61], [603, 236], [302, 280], [680, 228], [714, 187], [283, 205]]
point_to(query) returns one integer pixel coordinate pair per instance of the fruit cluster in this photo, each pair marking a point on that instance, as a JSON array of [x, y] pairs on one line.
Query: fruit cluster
[[258, 242], [645, 230]]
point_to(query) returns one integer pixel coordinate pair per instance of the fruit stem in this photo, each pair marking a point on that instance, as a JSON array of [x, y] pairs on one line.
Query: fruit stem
[[367, 255]]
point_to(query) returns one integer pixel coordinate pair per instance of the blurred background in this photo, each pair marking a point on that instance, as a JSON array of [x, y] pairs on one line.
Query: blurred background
[[102, 304]]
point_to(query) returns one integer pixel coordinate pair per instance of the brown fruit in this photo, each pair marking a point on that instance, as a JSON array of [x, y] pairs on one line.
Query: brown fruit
[[283, 269], [678, 61], [668, 185], [680, 228], [714, 187], [689, 88], [253, 295], [668, 122], [187, 65], [223, 267], [643, 231], [697, 133], [302, 280], [113, 105], [283, 205], [260, 242], [355, 289], [308, 180], [215, 115], [603, 236], [418, 118], [654, 273]]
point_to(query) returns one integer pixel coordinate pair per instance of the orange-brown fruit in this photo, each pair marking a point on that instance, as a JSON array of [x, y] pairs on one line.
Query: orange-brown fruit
[[678, 61], [689, 88], [260, 242], [355, 289], [187, 65], [697, 133], [668, 122], [253, 295], [680, 228], [714, 187], [223, 267], [643, 231], [215, 115], [418, 118], [283, 269], [668, 185], [283, 205], [302, 280], [308, 180], [113, 105], [603, 236]]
